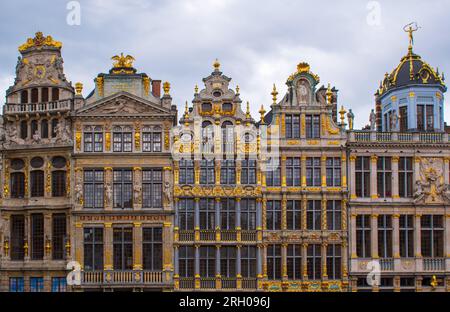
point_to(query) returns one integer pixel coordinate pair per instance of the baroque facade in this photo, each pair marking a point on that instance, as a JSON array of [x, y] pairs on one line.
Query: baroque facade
[[113, 192]]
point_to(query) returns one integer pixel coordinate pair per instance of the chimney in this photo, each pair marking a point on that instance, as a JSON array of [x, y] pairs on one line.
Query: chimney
[[156, 88]]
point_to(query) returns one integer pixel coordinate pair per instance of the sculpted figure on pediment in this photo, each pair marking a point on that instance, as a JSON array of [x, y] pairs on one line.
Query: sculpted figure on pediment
[[122, 106]]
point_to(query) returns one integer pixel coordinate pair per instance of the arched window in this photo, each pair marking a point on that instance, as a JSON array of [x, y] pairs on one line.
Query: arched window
[[34, 127], [24, 97], [44, 95], [54, 125], [34, 95], [122, 139], [37, 183], [17, 185], [55, 94], [24, 129], [44, 129]]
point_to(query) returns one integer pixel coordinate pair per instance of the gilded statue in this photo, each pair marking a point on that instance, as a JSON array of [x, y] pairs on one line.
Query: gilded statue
[[123, 61]]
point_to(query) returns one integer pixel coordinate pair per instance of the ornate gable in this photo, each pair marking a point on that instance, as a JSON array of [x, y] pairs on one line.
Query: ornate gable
[[122, 104]]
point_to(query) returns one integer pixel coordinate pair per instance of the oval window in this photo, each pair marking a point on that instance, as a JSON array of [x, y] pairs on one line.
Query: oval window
[[59, 162], [37, 162], [17, 164]]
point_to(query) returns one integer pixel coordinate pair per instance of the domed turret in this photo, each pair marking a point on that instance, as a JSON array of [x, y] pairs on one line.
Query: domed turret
[[410, 98]]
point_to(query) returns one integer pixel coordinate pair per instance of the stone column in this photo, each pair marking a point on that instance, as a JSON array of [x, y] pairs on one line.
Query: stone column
[[176, 273], [344, 170], [352, 177], [197, 267], [218, 272], [344, 254], [259, 261], [78, 198], [283, 171], [284, 274], [137, 188], [27, 241], [304, 261], [446, 170], [197, 218], [284, 212], [48, 236], [303, 212], [303, 170], [395, 179], [78, 243], [353, 236], [373, 177], [418, 236], [396, 236], [324, 260], [447, 243], [264, 258], [324, 214], [137, 246], [416, 172], [323, 169], [6, 238], [168, 238], [374, 235], [108, 247], [217, 218], [238, 267]]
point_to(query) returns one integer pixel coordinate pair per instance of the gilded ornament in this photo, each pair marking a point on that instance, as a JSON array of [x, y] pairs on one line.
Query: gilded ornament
[[40, 41]]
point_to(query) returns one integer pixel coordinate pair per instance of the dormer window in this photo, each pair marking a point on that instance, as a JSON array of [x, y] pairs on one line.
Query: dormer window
[[227, 107], [206, 107], [217, 94]]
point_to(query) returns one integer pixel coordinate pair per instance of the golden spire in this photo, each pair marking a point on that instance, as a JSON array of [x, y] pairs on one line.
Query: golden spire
[[329, 94], [410, 29], [216, 65], [247, 113], [274, 94], [196, 89], [166, 88], [186, 111], [262, 112], [237, 90], [342, 113]]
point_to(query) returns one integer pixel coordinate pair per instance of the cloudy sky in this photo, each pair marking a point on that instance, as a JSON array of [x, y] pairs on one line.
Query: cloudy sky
[[349, 43]]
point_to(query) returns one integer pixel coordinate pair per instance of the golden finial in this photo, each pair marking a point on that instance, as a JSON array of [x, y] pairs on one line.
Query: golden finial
[[410, 29], [342, 113], [329, 94], [247, 113], [196, 89], [262, 112], [216, 65], [78, 88], [166, 88], [237, 90], [274, 94], [186, 110]]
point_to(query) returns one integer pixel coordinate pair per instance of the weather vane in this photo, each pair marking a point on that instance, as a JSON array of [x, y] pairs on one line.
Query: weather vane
[[410, 29]]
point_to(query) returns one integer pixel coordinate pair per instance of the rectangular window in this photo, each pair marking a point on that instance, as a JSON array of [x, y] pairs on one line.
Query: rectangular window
[[17, 185], [314, 262], [186, 214], [122, 140], [248, 171], [273, 172], [430, 117], [207, 172], [207, 214], [248, 261], [420, 118], [17, 237], [362, 172], [248, 214], [314, 215], [58, 236], [16, 284], [406, 236], [334, 262], [313, 171], [186, 260], [312, 126], [432, 236], [151, 141], [294, 215], [273, 215], [228, 172], [293, 172], [152, 188], [93, 186], [59, 284], [334, 215], [59, 183], [403, 118], [228, 261], [93, 139], [292, 126], [294, 262], [207, 261], [384, 177], [228, 214], [37, 183], [36, 284], [363, 230], [274, 262], [152, 249], [93, 249], [123, 188], [186, 171], [333, 165], [37, 236], [123, 248], [405, 177], [385, 236]]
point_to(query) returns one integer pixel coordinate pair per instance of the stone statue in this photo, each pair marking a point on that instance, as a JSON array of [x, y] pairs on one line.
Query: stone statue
[[167, 192], [351, 118], [11, 135], [36, 137], [321, 96], [420, 192], [373, 120], [63, 134], [137, 192], [108, 193], [444, 190], [79, 193], [394, 121]]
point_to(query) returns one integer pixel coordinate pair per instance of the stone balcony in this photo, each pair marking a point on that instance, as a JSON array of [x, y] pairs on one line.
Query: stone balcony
[[216, 236], [402, 265], [34, 108], [397, 137], [124, 278], [215, 283]]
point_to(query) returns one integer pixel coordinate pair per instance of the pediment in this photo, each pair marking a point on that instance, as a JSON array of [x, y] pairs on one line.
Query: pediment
[[122, 104]]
